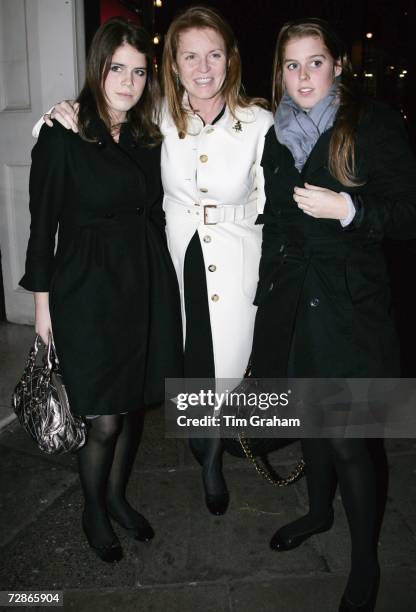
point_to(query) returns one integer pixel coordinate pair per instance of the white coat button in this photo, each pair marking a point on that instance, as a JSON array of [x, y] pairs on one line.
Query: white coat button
[[203, 190], [207, 239], [203, 158], [210, 130], [314, 302], [215, 297], [212, 268]]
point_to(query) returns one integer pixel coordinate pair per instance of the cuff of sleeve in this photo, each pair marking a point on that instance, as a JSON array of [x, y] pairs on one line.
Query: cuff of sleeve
[[351, 210], [36, 281], [38, 125]]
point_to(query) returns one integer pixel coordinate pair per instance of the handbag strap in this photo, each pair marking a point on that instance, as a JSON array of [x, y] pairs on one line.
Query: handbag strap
[[50, 359], [266, 472], [51, 356], [34, 349]]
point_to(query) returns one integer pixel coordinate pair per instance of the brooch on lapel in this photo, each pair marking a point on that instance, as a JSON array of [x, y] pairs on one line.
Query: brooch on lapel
[[237, 127]]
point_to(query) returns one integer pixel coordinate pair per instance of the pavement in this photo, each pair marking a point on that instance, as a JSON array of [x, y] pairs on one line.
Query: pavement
[[196, 562]]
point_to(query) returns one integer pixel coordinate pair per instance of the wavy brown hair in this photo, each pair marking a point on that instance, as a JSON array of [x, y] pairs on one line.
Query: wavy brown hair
[[202, 17], [342, 159], [92, 101]]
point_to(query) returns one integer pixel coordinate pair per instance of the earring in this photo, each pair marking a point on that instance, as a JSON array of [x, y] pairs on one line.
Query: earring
[[177, 80]]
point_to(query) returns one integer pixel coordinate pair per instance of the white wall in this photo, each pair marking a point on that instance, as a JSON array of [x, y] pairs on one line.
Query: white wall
[[42, 60]]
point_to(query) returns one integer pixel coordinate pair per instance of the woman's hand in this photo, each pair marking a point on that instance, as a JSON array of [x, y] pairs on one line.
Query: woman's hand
[[321, 203], [43, 325], [66, 113]]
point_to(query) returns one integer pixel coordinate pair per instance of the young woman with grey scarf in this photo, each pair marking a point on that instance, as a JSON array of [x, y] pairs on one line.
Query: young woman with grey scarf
[[323, 295]]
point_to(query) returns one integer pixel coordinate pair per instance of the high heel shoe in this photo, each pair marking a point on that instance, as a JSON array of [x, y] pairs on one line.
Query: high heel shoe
[[142, 531], [109, 553], [217, 503], [283, 543], [365, 606]]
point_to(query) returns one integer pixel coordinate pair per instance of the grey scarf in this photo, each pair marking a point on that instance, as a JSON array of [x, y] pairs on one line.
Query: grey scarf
[[299, 130]]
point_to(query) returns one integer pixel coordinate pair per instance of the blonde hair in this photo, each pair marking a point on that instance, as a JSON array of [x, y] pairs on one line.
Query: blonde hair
[[342, 159], [201, 17]]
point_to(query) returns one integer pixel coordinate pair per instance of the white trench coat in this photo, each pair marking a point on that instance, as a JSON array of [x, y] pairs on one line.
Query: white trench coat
[[213, 184]]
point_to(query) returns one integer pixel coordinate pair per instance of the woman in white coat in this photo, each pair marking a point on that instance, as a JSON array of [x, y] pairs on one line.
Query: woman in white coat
[[213, 184]]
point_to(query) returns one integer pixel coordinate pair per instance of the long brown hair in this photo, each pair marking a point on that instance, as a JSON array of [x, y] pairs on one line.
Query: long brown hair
[[201, 17], [342, 159], [92, 102]]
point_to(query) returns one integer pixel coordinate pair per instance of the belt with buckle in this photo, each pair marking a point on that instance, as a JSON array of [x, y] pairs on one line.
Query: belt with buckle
[[228, 212], [212, 214], [206, 207]]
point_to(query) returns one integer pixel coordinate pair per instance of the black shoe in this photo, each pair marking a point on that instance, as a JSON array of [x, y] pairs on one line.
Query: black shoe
[[109, 553], [217, 503], [142, 531], [368, 605], [282, 543]]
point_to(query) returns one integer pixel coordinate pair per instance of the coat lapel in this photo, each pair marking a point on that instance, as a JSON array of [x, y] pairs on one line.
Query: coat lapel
[[278, 157], [318, 156]]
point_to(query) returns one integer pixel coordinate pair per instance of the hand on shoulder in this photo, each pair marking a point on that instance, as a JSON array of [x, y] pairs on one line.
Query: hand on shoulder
[[65, 113]]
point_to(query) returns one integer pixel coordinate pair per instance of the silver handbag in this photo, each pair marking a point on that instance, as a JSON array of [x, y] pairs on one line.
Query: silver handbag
[[41, 404]]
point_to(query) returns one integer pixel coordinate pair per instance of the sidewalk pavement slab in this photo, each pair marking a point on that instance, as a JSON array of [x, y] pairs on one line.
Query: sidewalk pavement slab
[[197, 562], [15, 342]]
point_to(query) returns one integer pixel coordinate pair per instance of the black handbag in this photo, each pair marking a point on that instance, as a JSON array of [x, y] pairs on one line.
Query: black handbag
[[241, 446], [41, 404]]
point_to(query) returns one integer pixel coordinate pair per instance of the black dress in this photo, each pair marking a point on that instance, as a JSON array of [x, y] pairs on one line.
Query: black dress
[[113, 294]]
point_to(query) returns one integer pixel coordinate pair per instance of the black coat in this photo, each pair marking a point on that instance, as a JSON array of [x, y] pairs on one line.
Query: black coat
[[323, 295], [113, 293]]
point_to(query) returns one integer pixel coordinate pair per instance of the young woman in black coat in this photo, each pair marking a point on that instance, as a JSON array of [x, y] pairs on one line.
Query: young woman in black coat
[[109, 292], [339, 176]]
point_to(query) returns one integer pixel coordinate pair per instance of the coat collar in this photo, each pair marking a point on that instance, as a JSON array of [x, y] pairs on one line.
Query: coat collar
[[280, 154], [98, 130], [195, 124], [127, 148]]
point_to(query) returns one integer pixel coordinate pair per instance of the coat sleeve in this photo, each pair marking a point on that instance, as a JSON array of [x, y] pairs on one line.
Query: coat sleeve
[[157, 212], [46, 192], [266, 119], [387, 204]]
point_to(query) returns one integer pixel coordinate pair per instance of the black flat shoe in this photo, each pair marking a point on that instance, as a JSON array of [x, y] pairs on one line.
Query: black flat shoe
[[142, 531], [283, 543], [369, 605], [109, 553], [217, 504]]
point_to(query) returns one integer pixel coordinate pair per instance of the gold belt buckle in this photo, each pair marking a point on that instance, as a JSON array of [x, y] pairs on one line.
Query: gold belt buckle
[[205, 213]]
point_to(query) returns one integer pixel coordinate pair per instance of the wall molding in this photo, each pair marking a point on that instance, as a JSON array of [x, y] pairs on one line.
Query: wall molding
[[14, 60]]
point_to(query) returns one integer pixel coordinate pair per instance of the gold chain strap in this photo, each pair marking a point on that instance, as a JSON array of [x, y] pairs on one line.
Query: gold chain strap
[[276, 481]]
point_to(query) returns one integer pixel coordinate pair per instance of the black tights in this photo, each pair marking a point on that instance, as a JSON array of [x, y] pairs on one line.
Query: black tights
[[348, 461], [105, 465]]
